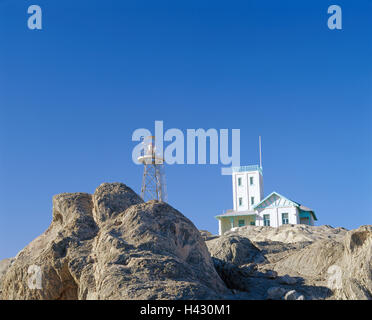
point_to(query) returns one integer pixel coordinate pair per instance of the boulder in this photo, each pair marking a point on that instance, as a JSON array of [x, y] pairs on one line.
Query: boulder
[[286, 279], [235, 260], [235, 277], [111, 199], [311, 261], [269, 274], [235, 249], [275, 293]]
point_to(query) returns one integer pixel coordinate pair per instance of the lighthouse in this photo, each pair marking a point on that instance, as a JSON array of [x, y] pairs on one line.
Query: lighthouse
[[153, 179]]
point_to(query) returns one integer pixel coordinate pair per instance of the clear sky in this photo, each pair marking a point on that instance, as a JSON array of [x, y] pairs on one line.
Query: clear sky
[[72, 94]]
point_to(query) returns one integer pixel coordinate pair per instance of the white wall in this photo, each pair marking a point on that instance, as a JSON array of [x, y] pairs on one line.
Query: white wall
[[276, 216], [246, 190]]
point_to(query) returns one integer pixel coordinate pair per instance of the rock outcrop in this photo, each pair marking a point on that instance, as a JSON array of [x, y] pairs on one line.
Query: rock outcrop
[[235, 249], [356, 265], [111, 245], [324, 263], [4, 266], [289, 233]]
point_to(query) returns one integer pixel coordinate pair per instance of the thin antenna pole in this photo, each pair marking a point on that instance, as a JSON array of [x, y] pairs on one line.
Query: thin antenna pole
[[259, 143]]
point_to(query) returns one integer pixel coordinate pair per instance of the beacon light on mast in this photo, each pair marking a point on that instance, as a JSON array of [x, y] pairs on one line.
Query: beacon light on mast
[[153, 180]]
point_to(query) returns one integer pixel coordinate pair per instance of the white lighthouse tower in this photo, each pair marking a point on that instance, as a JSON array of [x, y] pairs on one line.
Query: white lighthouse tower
[[247, 187]]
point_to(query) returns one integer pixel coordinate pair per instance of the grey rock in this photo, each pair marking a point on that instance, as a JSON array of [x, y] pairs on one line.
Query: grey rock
[[235, 249], [111, 245], [249, 268], [327, 263], [111, 199], [286, 279], [206, 235], [276, 293], [4, 266], [356, 265], [289, 233], [235, 277], [235, 259], [311, 261], [269, 274]]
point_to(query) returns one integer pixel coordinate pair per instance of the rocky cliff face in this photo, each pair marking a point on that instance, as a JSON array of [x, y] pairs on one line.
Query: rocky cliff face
[[112, 245], [324, 263], [356, 265], [290, 233]]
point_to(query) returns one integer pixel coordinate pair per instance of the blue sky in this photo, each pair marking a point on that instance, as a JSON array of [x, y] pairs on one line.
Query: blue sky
[[72, 94]]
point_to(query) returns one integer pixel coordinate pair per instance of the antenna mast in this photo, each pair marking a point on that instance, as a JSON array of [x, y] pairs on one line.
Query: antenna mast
[[259, 144]]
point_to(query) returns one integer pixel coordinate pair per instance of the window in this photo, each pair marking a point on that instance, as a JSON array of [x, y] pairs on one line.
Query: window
[[251, 181], [253, 223], [285, 218], [241, 223], [239, 182], [266, 218], [252, 200], [240, 202]]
